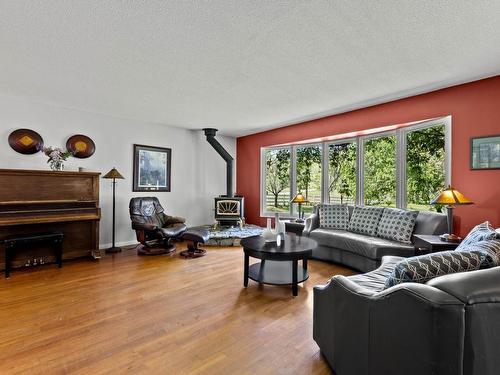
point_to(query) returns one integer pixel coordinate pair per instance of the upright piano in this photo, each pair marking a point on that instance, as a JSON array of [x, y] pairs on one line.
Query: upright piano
[[36, 201]]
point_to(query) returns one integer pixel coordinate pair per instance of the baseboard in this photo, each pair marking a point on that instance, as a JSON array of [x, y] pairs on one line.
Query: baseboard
[[120, 244]]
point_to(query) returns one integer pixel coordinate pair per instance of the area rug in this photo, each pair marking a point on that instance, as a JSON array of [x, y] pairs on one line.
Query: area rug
[[231, 236]]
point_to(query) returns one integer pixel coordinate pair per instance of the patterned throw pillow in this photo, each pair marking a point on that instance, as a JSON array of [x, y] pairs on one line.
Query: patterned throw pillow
[[481, 232], [397, 225], [333, 216], [489, 248], [364, 220], [423, 268]]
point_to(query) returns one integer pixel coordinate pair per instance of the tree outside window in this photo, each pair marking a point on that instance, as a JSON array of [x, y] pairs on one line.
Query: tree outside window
[[425, 166], [309, 174], [342, 173], [277, 180]]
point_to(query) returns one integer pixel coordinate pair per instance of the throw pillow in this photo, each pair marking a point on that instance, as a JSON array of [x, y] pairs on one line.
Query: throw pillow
[[490, 250], [364, 220], [423, 268], [397, 225], [333, 216], [481, 232]]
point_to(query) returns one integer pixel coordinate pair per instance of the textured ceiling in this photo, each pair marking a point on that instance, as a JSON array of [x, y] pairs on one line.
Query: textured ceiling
[[240, 66]]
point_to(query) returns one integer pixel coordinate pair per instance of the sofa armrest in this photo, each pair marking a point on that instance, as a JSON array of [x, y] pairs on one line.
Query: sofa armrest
[[482, 286], [312, 222], [422, 291]]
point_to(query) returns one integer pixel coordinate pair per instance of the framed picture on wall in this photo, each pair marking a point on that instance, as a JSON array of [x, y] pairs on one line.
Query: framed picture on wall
[[152, 168], [485, 152]]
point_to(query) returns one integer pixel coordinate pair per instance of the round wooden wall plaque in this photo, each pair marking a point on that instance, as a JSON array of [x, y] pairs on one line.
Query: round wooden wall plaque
[[80, 146], [25, 141]]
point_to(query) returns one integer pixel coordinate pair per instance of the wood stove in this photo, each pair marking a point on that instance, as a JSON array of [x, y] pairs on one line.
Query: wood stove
[[229, 209]]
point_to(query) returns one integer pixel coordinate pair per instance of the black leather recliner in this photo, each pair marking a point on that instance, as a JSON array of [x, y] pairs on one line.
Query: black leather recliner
[[154, 229], [448, 326]]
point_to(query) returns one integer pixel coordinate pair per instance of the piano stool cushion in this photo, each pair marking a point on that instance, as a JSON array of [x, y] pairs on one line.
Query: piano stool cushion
[[33, 237]]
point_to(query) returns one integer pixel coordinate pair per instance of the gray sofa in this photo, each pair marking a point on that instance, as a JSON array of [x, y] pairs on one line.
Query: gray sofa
[[363, 252], [448, 326]]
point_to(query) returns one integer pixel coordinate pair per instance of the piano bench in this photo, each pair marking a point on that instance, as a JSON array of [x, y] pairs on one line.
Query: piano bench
[[12, 243]]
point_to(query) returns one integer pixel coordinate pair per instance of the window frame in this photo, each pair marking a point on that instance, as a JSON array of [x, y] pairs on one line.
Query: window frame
[[263, 171], [326, 182], [400, 133], [321, 146]]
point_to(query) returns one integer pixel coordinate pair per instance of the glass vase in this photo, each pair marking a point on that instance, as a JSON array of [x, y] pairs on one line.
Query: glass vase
[[57, 165]]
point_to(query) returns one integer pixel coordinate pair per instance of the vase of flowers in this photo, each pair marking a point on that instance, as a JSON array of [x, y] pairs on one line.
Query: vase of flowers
[[57, 157]]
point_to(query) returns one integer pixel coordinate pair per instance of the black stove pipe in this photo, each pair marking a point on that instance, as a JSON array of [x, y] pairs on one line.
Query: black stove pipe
[[210, 134]]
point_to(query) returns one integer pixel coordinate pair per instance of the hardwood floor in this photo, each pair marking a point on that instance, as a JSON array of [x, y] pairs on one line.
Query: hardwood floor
[[157, 315]]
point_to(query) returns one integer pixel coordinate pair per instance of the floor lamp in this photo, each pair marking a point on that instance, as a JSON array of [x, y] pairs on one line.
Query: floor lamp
[[113, 175]]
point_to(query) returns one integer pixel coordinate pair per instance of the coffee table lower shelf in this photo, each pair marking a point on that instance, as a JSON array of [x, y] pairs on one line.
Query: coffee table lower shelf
[[276, 272]]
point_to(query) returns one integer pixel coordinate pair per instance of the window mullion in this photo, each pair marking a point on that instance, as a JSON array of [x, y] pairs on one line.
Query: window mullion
[[401, 169], [360, 157], [325, 183], [293, 177]]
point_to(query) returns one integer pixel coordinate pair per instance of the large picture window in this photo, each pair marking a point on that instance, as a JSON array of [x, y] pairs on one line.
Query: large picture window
[[404, 168]]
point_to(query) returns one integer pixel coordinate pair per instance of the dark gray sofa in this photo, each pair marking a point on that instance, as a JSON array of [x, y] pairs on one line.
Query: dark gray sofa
[[448, 326], [362, 252]]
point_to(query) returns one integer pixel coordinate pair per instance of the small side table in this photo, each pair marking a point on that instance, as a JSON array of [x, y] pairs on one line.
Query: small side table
[[425, 244], [294, 227]]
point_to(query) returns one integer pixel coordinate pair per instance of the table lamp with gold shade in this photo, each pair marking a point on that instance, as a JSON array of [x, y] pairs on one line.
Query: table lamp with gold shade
[[450, 198], [300, 199]]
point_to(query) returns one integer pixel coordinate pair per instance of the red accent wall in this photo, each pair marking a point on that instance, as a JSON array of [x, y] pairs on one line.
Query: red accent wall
[[475, 111]]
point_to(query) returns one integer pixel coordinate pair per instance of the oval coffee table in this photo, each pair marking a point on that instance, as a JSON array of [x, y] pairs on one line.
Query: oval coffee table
[[279, 264]]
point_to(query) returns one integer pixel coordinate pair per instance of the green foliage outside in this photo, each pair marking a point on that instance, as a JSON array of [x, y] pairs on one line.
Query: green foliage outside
[[424, 169], [278, 179], [425, 166], [342, 173], [309, 171], [380, 171]]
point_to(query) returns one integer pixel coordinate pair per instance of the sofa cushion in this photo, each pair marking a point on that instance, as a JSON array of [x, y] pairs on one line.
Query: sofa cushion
[[423, 268], [364, 220], [481, 232], [367, 246], [429, 222], [397, 225], [333, 216], [489, 248]]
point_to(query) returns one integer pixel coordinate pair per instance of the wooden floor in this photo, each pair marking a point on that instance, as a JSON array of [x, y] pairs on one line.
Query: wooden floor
[[157, 315]]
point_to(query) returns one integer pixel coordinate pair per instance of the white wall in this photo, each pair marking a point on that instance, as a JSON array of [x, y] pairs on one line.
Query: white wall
[[198, 172]]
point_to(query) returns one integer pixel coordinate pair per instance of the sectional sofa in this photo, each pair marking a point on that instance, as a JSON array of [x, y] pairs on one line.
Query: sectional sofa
[[359, 250], [403, 318]]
